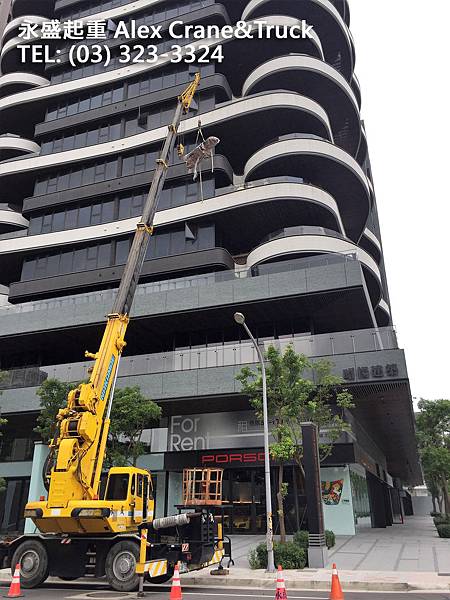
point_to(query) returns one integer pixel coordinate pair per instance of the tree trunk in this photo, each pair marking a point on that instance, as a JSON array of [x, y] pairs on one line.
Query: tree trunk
[[439, 499], [433, 500], [281, 505], [446, 498]]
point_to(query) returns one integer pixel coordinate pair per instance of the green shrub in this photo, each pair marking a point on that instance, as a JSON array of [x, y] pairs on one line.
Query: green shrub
[[441, 520], [435, 514], [444, 530], [301, 539], [330, 538], [288, 555]]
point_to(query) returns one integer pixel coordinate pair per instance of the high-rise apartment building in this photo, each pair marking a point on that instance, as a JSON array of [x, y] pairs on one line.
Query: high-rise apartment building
[[284, 229]]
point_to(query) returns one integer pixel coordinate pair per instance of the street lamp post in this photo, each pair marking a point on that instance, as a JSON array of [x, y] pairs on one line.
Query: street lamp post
[[240, 319]]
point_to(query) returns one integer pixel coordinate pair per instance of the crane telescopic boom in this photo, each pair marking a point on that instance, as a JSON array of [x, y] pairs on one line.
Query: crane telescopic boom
[[79, 447]]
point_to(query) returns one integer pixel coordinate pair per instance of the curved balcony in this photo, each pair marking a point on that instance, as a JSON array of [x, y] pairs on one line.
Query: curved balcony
[[383, 313], [321, 164], [11, 58], [275, 201], [12, 146], [21, 8], [317, 241], [11, 220], [323, 15], [4, 293], [247, 115], [39, 98], [362, 149], [371, 243], [12, 29], [14, 83], [311, 76], [356, 89]]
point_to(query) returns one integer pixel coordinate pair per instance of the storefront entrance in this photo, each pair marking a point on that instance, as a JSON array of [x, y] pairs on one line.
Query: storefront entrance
[[243, 490]]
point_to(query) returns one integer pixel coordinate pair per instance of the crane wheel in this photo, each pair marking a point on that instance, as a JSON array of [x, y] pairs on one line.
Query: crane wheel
[[120, 566], [33, 559]]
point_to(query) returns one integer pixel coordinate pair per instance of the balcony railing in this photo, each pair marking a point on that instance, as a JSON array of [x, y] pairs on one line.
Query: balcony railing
[[108, 296], [229, 354]]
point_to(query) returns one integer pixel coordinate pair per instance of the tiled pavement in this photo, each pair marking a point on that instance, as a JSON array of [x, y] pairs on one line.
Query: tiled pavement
[[414, 547]]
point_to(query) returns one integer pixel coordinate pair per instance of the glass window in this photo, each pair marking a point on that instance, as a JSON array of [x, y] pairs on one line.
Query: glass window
[[52, 265], [162, 244], [96, 101], [71, 218], [40, 187], [128, 166], [28, 269], [35, 225], [108, 211], [96, 214], [124, 207], [75, 178], [79, 260], [117, 488], [91, 258], [63, 181], [88, 175], [58, 221], [104, 255], [117, 94], [122, 249], [65, 264], [111, 169], [84, 216], [47, 223]]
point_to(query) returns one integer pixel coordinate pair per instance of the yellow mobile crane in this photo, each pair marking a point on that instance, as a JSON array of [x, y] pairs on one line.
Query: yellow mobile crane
[[79, 532]]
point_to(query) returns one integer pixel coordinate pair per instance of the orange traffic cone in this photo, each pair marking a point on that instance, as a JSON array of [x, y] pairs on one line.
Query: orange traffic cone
[[14, 588], [175, 590], [336, 590], [280, 594]]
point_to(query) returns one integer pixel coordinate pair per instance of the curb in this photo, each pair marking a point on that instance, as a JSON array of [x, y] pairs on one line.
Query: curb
[[368, 586]]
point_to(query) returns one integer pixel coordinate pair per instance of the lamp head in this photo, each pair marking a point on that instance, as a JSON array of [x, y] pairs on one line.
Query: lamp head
[[239, 318]]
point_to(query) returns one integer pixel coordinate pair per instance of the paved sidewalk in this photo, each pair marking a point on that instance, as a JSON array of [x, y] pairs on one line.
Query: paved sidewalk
[[412, 547]]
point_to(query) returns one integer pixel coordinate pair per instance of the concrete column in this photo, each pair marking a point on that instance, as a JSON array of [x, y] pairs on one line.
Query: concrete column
[[37, 488]]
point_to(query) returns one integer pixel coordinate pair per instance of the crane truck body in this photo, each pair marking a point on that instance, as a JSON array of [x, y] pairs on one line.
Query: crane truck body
[[79, 532]]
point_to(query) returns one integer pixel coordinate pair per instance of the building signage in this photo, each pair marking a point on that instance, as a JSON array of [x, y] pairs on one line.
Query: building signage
[[370, 372], [214, 431], [231, 458]]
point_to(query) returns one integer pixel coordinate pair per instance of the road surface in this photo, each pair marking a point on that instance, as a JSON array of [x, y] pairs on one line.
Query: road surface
[[83, 591]]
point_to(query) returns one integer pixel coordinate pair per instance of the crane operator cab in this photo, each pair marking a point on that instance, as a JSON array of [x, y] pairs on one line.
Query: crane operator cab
[[127, 502]]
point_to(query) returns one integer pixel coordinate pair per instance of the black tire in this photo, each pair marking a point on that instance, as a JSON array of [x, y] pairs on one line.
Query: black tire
[[68, 578], [160, 579], [120, 566], [33, 559]]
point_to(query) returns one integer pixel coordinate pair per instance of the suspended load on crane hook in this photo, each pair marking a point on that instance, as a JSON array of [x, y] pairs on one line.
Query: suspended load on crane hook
[[198, 154]]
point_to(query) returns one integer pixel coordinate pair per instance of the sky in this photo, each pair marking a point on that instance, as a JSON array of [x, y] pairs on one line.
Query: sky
[[403, 66]]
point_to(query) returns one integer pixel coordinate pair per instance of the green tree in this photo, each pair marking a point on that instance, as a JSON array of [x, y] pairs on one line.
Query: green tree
[[298, 390], [53, 396], [131, 413], [433, 436]]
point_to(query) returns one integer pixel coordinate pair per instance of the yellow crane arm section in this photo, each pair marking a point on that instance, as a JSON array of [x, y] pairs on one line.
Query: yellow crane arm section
[[79, 446]]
